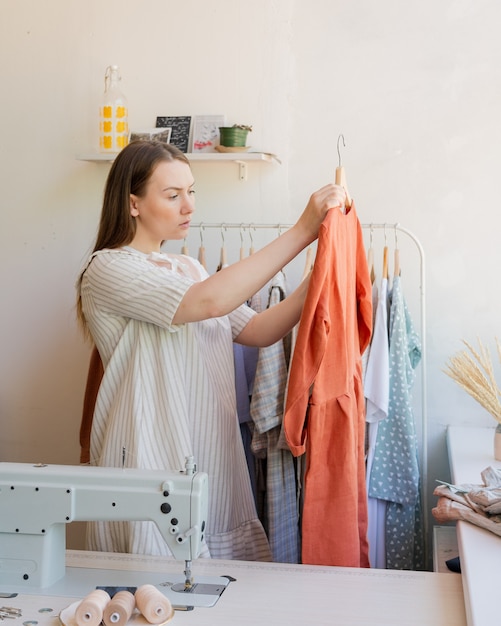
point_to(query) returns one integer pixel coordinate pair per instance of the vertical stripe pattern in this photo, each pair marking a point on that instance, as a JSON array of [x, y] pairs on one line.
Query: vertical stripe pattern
[[168, 391]]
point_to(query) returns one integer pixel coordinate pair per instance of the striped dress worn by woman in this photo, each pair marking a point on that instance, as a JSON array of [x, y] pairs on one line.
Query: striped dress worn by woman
[[168, 391]]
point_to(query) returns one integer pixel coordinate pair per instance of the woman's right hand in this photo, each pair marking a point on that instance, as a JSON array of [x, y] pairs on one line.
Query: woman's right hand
[[320, 203]]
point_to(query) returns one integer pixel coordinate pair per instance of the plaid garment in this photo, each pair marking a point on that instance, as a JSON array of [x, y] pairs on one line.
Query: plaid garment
[[267, 406]]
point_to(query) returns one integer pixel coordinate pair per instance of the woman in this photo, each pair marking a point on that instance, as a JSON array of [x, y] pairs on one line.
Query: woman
[[164, 331]]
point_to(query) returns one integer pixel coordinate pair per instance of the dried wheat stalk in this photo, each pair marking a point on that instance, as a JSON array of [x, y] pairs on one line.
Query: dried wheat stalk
[[476, 376]]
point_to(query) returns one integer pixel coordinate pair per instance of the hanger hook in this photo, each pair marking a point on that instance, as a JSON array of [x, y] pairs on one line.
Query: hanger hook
[[250, 234], [223, 228], [396, 235], [242, 228], [201, 234], [338, 150]]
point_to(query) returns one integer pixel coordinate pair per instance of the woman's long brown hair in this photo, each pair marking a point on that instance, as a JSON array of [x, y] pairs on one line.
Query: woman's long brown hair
[[129, 174]]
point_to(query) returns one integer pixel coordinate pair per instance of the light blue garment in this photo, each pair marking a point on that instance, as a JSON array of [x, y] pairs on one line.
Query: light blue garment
[[395, 473]]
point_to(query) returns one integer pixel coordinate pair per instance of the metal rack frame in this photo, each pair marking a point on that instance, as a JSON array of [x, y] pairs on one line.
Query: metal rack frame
[[396, 227]]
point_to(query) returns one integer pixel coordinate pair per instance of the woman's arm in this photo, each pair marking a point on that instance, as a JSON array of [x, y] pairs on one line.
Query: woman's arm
[[224, 291], [269, 326]]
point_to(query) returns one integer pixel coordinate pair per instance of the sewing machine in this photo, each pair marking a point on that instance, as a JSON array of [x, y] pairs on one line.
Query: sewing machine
[[37, 501]]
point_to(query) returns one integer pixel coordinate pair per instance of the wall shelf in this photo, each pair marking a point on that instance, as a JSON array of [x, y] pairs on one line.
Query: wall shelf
[[240, 158]]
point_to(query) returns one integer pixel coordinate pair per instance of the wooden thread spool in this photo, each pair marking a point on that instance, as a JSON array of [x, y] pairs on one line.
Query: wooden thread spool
[[90, 610], [118, 611], [154, 606]]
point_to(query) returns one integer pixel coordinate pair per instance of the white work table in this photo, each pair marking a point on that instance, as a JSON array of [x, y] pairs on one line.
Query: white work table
[[471, 450], [273, 593]]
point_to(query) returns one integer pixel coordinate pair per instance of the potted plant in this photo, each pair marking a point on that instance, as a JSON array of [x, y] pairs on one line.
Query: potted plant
[[234, 136]]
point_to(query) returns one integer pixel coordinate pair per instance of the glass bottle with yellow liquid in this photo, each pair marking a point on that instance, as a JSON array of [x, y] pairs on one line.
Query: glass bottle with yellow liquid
[[113, 114]]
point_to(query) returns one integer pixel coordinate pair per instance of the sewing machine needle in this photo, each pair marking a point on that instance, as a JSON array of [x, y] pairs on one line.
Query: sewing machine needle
[[187, 573]]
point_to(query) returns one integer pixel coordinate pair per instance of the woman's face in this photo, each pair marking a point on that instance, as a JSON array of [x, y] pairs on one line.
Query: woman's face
[[165, 210]]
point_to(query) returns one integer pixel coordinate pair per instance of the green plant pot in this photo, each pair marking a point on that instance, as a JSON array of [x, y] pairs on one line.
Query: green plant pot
[[232, 136]]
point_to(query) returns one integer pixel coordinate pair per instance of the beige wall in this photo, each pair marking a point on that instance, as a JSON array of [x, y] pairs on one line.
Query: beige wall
[[413, 86]]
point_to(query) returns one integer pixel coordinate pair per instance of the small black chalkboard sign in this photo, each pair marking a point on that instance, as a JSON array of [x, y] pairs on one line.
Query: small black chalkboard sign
[[181, 126]]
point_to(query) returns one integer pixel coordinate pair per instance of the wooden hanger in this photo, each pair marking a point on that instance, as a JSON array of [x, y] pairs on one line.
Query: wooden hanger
[[201, 257], [385, 262], [201, 250], [341, 175], [396, 270], [385, 257], [251, 248], [223, 262], [308, 265]]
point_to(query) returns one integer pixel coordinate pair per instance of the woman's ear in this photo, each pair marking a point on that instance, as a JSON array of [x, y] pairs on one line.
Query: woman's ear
[[133, 205]]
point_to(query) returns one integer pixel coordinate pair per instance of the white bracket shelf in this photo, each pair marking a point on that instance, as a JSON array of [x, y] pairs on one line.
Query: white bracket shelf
[[240, 158]]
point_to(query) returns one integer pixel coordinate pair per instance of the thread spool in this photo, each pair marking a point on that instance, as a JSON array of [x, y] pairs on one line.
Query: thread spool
[[118, 611], [154, 606], [90, 610]]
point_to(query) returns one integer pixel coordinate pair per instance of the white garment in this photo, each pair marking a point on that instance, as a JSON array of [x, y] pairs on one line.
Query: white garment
[[168, 391], [377, 394], [377, 373]]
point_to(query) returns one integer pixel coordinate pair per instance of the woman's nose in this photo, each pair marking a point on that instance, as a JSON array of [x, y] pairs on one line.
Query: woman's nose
[[188, 204]]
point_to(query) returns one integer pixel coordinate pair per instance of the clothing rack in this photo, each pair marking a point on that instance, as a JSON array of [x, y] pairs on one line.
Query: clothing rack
[[395, 227]]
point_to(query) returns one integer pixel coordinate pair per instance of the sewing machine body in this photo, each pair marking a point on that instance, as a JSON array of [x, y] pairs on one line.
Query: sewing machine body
[[37, 501]]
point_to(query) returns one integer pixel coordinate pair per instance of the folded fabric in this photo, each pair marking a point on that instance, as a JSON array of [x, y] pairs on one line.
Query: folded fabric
[[478, 504]]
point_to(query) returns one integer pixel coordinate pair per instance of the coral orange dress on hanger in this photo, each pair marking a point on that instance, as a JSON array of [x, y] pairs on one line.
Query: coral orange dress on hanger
[[325, 409]]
